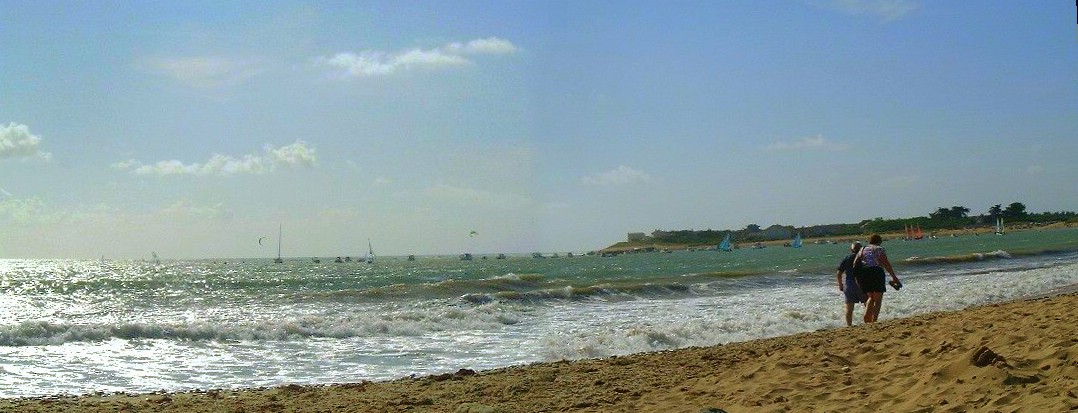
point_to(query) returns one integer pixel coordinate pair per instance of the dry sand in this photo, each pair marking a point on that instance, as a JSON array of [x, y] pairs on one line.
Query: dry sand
[[1018, 356]]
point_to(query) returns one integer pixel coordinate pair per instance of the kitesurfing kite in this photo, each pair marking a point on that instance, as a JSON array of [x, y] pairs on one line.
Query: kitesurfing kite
[[260, 240]]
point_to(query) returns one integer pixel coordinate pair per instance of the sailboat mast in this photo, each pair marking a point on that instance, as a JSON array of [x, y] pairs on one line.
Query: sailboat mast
[[280, 228], [370, 252]]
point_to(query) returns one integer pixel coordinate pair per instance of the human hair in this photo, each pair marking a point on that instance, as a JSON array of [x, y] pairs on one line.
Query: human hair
[[856, 246], [875, 239]]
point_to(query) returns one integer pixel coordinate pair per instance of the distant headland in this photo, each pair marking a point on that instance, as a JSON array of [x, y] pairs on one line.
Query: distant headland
[[953, 221]]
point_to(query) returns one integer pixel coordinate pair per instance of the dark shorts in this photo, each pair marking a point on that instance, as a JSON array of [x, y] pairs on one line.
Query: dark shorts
[[872, 279], [852, 291]]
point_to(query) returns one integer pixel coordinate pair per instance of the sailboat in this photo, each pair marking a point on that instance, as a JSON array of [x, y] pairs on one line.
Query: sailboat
[[918, 234], [909, 232], [725, 244], [999, 226], [797, 241], [370, 252], [278, 260]]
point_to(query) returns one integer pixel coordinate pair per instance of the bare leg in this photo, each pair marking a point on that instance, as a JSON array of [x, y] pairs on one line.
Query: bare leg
[[849, 314], [876, 308], [868, 307], [872, 311]]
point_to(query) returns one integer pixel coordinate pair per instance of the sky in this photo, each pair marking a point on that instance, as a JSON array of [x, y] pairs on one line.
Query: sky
[[191, 129]]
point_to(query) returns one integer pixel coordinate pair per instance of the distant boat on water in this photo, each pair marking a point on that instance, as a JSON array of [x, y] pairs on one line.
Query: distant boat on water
[[913, 233], [500, 257], [280, 229], [999, 226], [725, 244], [797, 241], [411, 257], [466, 257], [370, 252]]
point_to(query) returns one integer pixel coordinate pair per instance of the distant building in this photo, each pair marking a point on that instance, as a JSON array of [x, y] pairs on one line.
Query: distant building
[[637, 236]]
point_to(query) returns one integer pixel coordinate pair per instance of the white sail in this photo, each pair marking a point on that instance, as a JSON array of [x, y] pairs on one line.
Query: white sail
[[370, 252], [280, 229]]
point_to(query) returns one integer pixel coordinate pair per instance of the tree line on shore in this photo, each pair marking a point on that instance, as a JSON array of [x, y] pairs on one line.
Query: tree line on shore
[[953, 218]]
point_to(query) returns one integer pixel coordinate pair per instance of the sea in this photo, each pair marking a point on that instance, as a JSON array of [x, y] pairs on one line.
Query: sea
[[90, 326]]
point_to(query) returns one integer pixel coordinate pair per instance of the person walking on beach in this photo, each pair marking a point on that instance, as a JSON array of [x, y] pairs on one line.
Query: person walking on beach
[[848, 284], [871, 277]]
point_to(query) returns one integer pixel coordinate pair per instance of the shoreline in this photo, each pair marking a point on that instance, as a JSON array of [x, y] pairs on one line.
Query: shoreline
[[1019, 353]]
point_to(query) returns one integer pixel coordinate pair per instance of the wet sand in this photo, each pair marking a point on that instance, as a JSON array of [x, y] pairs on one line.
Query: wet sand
[[1008, 357]]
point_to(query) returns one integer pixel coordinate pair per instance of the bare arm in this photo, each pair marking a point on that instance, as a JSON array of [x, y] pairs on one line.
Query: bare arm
[[838, 279], [887, 265]]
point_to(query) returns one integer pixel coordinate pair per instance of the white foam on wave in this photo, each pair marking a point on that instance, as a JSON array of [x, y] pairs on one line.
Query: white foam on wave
[[310, 343], [338, 324], [633, 327]]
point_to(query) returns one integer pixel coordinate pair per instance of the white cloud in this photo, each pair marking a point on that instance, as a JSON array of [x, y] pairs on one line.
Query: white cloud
[[490, 45], [204, 71], [381, 63], [17, 142], [887, 10], [296, 154], [622, 175], [20, 210], [817, 142]]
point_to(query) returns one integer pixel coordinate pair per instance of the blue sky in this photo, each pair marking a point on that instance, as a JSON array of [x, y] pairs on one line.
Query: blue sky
[[194, 128]]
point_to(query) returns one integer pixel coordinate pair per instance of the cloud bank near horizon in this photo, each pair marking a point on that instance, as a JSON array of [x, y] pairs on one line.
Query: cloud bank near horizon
[[368, 63], [298, 154]]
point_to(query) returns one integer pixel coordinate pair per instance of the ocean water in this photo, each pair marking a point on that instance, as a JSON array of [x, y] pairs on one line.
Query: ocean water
[[74, 327]]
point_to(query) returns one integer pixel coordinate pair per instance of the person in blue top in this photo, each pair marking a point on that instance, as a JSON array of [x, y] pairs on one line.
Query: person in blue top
[[848, 284], [871, 277]]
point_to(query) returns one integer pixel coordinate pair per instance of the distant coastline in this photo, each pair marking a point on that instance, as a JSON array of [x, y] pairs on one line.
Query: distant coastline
[[651, 244]]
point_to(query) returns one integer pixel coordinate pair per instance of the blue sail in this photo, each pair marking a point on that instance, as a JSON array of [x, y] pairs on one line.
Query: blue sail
[[725, 244], [797, 241]]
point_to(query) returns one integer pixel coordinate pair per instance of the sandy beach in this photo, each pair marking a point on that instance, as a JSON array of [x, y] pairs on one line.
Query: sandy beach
[[1007, 357]]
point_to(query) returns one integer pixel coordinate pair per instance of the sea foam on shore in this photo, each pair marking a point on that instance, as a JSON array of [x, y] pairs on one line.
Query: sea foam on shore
[[1014, 356]]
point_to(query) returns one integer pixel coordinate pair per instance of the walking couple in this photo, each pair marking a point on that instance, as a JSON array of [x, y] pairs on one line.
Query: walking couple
[[865, 280]]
